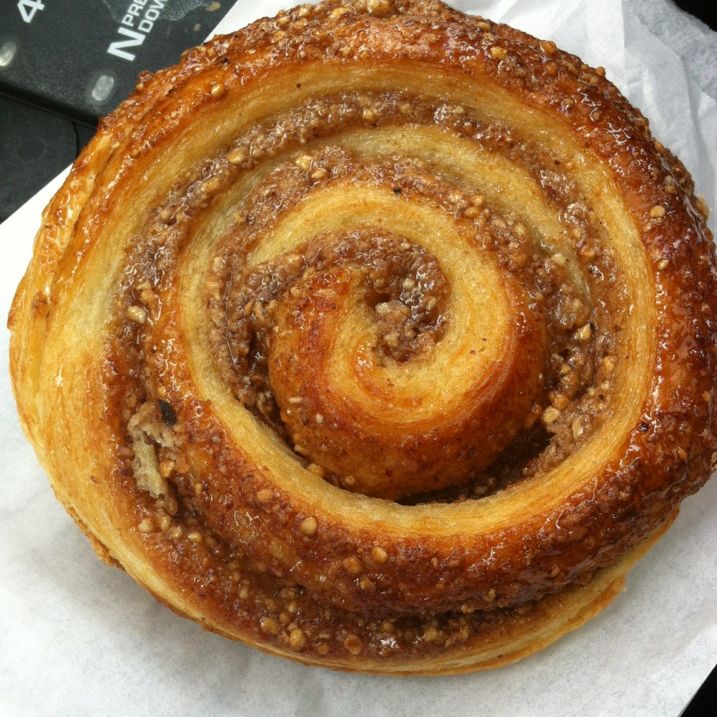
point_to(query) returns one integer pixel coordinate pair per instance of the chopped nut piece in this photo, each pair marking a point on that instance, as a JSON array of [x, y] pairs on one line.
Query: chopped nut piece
[[136, 314], [146, 526], [578, 427], [145, 427], [379, 8], [218, 90], [519, 229], [430, 633], [657, 212], [366, 584], [608, 364], [550, 415], [170, 504], [498, 53], [304, 161], [297, 639], [237, 155], [379, 554], [309, 525], [584, 333], [353, 644], [663, 264], [353, 565], [165, 468], [269, 626], [548, 47], [316, 469], [264, 495]]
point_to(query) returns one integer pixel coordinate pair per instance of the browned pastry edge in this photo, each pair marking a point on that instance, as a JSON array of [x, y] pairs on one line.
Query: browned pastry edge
[[573, 607]]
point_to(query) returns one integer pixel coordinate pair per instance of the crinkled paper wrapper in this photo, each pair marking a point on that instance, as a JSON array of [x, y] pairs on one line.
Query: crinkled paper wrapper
[[81, 638]]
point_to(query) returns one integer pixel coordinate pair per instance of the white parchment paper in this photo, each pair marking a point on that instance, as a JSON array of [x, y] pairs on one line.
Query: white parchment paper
[[78, 638]]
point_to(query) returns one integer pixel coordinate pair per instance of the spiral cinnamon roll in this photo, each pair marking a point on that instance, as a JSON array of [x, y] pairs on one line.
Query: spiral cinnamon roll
[[374, 335]]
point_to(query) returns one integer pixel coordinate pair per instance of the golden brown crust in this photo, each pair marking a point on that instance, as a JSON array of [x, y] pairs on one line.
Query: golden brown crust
[[418, 255]]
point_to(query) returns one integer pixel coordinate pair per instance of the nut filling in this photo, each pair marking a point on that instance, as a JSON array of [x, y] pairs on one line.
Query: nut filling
[[571, 284]]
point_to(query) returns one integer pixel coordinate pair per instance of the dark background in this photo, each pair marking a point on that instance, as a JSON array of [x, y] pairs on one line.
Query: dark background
[[706, 10], [57, 76]]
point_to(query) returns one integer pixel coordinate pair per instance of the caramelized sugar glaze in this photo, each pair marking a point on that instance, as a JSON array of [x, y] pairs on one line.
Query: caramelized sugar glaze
[[375, 335]]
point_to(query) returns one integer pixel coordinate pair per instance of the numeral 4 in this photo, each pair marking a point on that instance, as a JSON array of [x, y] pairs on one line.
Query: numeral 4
[[28, 8]]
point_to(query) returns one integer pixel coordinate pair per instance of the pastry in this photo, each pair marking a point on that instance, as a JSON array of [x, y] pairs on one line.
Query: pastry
[[374, 335]]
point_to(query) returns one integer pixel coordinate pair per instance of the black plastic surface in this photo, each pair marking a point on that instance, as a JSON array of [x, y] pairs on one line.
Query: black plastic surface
[[34, 147], [65, 63], [80, 58]]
